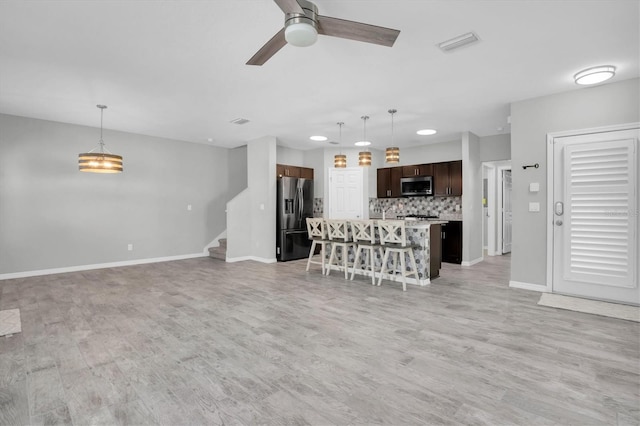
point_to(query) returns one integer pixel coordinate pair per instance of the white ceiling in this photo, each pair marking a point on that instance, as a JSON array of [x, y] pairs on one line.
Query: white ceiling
[[176, 69]]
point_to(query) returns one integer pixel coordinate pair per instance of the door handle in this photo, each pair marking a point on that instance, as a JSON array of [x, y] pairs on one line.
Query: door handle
[[559, 208]]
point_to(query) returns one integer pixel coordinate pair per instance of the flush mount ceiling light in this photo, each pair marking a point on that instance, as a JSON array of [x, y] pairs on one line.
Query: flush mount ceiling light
[[426, 132], [364, 157], [392, 154], [457, 42], [101, 161], [318, 138], [595, 75], [340, 160]]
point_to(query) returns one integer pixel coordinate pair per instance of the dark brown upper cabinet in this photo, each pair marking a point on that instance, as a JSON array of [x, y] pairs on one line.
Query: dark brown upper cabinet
[[283, 170], [417, 170], [447, 178]]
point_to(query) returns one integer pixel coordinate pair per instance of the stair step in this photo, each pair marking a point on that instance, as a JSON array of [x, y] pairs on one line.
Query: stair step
[[223, 242], [218, 252]]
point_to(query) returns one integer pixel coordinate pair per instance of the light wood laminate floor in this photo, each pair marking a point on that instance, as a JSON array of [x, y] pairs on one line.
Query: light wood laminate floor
[[201, 341]]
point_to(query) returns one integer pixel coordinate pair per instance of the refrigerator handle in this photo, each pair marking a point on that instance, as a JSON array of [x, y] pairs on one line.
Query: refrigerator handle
[[301, 203]]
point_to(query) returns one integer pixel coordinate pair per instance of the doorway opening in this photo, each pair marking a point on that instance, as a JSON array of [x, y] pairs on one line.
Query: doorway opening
[[496, 203]]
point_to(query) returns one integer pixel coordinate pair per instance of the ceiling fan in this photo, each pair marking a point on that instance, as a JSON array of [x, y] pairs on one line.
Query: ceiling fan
[[302, 25]]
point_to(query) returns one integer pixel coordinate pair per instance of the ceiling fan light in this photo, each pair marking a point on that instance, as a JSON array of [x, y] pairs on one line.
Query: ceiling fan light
[[300, 34], [595, 75]]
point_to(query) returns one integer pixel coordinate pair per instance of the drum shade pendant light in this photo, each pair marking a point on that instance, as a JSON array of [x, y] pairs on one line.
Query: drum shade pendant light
[[340, 160], [364, 157], [102, 161], [392, 154]]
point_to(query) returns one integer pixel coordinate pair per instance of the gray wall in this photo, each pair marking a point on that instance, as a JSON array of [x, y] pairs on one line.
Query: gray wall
[[53, 216], [471, 198], [495, 147], [429, 153], [261, 164], [289, 156], [531, 120], [237, 165]]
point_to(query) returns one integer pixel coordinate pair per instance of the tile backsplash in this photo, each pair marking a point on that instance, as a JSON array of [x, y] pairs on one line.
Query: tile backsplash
[[435, 206]]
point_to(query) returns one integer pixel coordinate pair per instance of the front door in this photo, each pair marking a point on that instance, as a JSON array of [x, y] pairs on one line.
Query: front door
[[595, 216], [346, 193]]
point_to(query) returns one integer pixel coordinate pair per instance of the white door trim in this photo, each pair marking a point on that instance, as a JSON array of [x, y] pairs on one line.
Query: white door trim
[[550, 181]]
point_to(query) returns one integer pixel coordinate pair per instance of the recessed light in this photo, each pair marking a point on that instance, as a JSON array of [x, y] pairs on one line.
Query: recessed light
[[318, 138], [362, 143], [595, 75], [426, 132]]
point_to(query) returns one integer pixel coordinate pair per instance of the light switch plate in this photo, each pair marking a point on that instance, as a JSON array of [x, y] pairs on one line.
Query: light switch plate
[[534, 207], [534, 187]]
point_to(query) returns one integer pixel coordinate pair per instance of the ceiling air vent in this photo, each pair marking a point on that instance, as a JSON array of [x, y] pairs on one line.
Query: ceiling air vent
[[454, 43], [239, 121]]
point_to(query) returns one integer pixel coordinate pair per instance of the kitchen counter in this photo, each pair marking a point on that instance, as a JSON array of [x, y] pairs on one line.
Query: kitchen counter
[[418, 233]]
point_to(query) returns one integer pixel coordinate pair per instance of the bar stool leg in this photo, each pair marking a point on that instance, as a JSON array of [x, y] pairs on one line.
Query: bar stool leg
[[331, 256], [414, 264], [372, 261], [404, 271], [313, 249], [345, 261], [384, 268], [355, 261]]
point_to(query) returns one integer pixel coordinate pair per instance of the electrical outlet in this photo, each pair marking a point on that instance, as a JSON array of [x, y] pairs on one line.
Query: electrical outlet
[[534, 207], [130, 247]]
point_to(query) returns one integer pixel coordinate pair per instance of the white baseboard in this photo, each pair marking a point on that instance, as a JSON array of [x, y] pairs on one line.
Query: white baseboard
[[255, 258], [40, 272], [529, 286], [473, 262]]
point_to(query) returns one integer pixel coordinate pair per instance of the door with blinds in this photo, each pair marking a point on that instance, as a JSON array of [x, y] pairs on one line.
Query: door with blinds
[[595, 216]]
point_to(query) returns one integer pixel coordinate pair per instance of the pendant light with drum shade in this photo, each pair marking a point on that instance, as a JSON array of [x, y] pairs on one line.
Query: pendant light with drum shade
[[340, 160], [392, 154], [101, 161], [364, 157]]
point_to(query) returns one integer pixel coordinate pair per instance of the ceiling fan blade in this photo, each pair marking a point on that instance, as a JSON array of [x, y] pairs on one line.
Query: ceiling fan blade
[[289, 6], [357, 31], [269, 49]]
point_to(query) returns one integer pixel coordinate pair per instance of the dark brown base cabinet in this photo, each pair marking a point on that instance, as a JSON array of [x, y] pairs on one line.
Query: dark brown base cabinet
[[452, 242], [435, 251]]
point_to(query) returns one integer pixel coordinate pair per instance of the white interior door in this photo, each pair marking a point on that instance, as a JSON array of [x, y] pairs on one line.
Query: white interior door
[[507, 213], [595, 216], [346, 193]]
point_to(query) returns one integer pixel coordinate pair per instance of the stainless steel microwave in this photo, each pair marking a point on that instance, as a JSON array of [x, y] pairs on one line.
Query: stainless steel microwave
[[416, 186]]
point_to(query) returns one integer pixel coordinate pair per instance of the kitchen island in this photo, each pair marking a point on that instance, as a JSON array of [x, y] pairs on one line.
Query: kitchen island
[[425, 235]]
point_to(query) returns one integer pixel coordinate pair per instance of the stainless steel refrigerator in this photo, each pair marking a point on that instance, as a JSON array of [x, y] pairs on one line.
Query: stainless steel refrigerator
[[295, 205]]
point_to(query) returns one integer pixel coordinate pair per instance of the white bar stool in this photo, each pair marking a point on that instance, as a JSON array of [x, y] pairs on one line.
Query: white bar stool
[[318, 235], [363, 233], [338, 232], [393, 238]]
